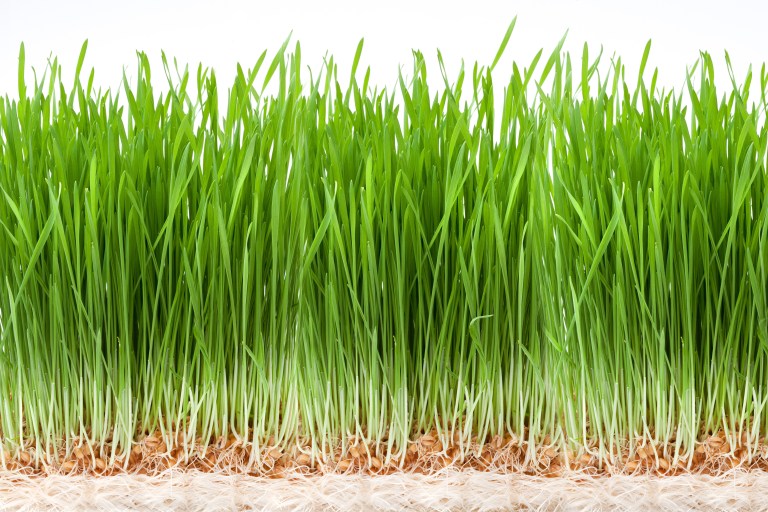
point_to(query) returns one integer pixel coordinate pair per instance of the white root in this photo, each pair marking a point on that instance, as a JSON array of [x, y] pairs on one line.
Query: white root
[[449, 490]]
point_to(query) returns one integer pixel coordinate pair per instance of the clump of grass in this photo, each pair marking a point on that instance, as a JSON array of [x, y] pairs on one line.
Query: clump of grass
[[380, 275]]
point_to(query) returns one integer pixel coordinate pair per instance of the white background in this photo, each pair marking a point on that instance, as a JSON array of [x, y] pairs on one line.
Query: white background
[[225, 32]]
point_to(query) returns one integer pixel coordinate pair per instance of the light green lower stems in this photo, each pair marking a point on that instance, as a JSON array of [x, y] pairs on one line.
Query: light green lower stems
[[564, 257]]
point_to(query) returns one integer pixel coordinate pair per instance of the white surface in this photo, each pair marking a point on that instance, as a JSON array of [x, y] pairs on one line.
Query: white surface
[[454, 491], [221, 33]]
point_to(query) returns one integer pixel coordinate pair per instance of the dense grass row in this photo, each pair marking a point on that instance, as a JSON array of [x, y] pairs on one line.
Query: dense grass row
[[588, 262]]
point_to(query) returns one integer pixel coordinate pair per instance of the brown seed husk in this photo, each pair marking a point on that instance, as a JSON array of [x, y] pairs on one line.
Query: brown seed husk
[[425, 453], [427, 440]]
